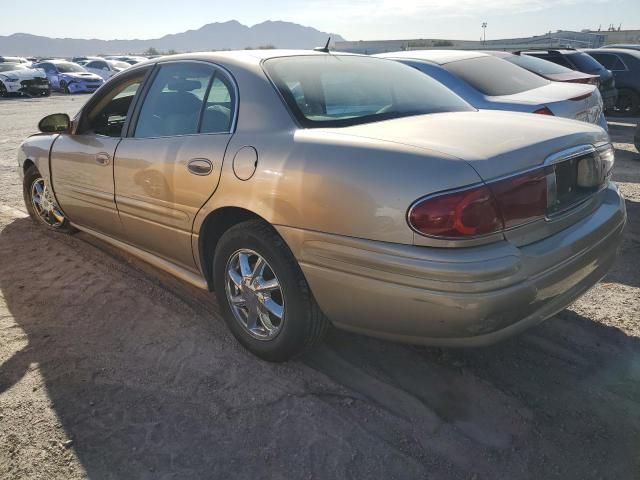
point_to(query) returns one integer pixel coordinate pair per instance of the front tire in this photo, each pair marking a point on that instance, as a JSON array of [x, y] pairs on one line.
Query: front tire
[[3, 91], [64, 87], [264, 298], [41, 204]]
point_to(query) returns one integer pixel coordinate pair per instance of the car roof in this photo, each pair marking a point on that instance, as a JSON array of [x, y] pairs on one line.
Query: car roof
[[563, 51], [243, 57], [440, 57], [499, 53]]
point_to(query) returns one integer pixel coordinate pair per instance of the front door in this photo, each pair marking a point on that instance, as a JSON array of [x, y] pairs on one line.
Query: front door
[[82, 162], [171, 164]]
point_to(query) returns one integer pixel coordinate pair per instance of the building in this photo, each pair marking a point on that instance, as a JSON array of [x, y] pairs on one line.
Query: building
[[559, 39]]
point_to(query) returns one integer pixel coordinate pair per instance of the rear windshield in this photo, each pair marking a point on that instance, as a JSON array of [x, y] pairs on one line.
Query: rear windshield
[[537, 65], [495, 76], [585, 62], [340, 90]]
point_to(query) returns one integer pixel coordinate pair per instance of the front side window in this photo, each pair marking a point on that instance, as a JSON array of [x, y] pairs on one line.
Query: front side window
[[175, 100], [110, 114], [341, 90], [495, 76]]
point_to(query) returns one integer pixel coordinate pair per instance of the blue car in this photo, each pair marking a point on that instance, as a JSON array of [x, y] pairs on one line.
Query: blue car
[[69, 77]]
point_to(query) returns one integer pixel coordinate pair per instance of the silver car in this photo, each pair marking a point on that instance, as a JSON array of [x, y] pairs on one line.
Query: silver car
[[309, 188], [492, 83]]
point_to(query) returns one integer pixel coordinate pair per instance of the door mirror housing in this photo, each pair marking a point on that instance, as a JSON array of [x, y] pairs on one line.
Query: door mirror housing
[[55, 123]]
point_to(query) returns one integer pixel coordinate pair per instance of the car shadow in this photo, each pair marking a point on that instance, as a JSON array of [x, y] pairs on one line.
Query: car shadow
[[143, 376]]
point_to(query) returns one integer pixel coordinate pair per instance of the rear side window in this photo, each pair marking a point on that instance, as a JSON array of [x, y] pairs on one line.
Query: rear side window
[[495, 76], [218, 111], [609, 61], [175, 100]]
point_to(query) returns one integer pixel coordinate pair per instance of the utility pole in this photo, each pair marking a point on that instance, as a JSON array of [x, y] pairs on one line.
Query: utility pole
[[484, 33]]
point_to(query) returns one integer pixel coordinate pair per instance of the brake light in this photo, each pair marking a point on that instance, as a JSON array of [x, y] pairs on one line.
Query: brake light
[[581, 97], [543, 111], [483, 209], [466, 213], [586, 80], [522, 198]]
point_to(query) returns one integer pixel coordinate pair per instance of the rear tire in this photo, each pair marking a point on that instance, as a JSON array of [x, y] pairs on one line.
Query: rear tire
[[3, 91], [276, 339], [627, 103], [41, 204]]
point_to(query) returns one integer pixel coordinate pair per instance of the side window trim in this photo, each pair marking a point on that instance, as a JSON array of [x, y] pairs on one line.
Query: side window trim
[[132, 120], [203, 108]]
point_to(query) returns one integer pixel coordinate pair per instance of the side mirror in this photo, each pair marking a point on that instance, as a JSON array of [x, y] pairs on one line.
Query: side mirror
[[55, 123]]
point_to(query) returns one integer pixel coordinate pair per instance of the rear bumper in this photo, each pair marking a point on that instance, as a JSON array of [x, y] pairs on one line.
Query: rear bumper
[[457, 297]]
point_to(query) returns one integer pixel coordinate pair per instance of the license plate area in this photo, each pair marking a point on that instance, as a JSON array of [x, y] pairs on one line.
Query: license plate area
[[571, 182]]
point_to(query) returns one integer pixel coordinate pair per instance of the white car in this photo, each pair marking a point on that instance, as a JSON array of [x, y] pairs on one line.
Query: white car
[[17, 78], [106, 68]]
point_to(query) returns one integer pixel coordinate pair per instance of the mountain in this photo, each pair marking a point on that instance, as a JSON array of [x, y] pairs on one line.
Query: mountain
[[214, 36]]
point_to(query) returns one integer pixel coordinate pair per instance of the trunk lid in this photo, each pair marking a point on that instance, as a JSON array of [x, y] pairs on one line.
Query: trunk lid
[[494, 143], [568, 100]]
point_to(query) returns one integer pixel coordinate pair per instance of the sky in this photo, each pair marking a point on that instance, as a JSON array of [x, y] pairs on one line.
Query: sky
[[354, 20]]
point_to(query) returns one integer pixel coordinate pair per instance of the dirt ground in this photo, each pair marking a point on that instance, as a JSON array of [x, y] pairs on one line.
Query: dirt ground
[[112, 370]]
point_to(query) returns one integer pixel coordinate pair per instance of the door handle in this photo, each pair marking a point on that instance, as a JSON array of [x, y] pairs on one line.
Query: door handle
[[200, 166], [103, 158]]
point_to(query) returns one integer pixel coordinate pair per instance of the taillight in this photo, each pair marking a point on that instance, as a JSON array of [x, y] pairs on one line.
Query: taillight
[[460, 214], [581, 97], [483, 209], [587, 80], [521, 198], [543, 111]]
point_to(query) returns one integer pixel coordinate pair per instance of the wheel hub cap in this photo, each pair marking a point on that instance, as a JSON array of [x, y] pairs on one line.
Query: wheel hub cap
[[44, 204], [254, 294]]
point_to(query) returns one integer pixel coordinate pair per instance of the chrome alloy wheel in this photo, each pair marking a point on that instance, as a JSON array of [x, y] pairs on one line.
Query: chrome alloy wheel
[[254, 294], [44, 204]]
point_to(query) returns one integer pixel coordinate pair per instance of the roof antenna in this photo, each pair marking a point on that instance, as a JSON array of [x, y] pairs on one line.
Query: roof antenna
[[324, 49]]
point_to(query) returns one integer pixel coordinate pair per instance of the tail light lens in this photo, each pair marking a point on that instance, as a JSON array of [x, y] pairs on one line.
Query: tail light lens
[[580, 97], [522, 198], [543, 111], [466, 213], [483, 209]]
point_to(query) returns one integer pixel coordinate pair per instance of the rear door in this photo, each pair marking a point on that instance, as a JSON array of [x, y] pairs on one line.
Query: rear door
[[82, 162], [170, 163]]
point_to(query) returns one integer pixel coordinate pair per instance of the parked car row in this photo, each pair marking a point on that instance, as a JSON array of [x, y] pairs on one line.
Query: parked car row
[[310, 188], [19, 75]]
